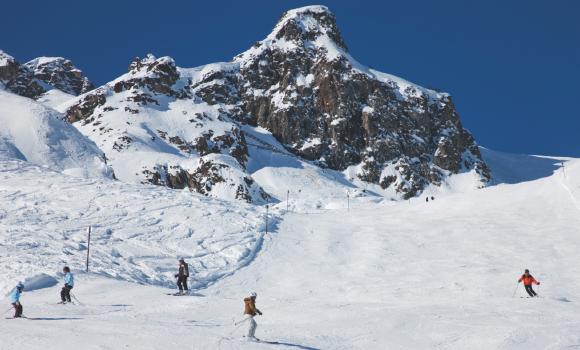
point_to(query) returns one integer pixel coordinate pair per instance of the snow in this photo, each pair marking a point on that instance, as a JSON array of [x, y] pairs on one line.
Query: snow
[[382, 274], [139, 232], [54, 97], [44, 60], [5, 58], [33, 132], [39, 281]]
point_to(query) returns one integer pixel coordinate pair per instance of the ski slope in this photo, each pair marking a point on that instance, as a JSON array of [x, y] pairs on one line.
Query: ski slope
[[382, 275]]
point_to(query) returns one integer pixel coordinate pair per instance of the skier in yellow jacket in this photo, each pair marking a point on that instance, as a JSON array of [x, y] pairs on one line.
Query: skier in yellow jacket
[[251, 310]]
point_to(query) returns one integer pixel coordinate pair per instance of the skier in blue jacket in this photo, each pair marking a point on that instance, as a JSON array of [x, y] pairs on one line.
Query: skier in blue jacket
[[15, 299], [69, 283]]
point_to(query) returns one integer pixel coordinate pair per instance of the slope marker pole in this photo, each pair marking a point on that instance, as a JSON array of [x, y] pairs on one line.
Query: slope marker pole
[[88, 246]]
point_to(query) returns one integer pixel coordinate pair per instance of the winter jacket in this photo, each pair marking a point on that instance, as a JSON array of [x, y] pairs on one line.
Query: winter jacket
[[183, 270], [528, 280], [250, 307], [15, 296], [69, 279]]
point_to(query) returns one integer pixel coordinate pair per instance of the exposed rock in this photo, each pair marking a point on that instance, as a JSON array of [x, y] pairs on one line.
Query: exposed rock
[[39, 75], [60, 73], [301, 84]]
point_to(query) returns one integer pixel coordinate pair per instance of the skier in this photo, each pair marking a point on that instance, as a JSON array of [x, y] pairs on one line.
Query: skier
[[68, 285], [528, 280], [15, 299], [251, 310], [182, 276]]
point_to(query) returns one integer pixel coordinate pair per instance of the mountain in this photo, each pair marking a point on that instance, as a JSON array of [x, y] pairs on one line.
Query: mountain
[[301, 85], [42, 75], [38, 134], [153, 130]]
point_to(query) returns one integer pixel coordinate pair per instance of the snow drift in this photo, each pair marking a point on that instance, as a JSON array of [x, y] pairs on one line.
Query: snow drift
[[33, 132]]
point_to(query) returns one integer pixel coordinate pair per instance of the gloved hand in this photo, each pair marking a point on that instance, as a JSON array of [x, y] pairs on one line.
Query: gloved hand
[[538, 283], [176, 275], [260, 313]]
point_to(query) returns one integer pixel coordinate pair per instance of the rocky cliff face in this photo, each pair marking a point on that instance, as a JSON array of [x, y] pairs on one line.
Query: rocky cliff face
[[153, 130], [40, 75], [299, 83]]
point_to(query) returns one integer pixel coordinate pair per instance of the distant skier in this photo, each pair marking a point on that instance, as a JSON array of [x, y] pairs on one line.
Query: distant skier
[[427, 199], [251, 310], [528, 280], [69, 283], [182, 276], [15, 299]]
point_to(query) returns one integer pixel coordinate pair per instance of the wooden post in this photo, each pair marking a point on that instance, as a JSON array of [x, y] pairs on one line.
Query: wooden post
[[288, 201], [267, 206], [88, 247], [564, 169], [348, 200]]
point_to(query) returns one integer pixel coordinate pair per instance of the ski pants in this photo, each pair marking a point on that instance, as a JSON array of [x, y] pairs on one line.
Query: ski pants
[[252, 328], [65, 293], [530, 290], [17, 309], [182, 283]]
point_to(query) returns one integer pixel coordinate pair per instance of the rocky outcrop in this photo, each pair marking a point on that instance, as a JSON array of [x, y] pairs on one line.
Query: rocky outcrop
[[40, 75], [299, 83], [153, 132], [59, 73]]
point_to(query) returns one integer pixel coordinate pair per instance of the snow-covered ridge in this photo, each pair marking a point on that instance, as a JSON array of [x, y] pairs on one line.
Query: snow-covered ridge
[[40, 75], [35, 133]]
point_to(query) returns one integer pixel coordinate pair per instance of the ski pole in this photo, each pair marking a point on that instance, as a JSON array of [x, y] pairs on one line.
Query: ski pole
[[239, 323], [7, 310], [515, 290], [76, 299]]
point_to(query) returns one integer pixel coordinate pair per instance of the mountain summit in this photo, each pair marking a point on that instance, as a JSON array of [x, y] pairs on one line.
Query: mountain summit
[[189, 127], [40, 75]]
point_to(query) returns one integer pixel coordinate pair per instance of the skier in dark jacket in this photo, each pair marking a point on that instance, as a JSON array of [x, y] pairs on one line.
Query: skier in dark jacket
[[15, 299], [528, 280], [182, 276], [68, 285]]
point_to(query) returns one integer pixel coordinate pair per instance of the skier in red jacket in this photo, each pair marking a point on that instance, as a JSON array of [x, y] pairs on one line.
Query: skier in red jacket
[[528, 280]]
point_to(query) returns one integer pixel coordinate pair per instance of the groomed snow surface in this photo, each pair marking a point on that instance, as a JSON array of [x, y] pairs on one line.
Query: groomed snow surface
[[382, 275]]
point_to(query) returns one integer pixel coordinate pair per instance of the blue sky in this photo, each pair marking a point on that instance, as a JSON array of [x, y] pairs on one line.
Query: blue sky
[[512, 67]]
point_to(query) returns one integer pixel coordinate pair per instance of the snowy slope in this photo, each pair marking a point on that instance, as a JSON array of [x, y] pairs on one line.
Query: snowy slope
[[153, 131], [396, 275], [139, 231], [35, 133]]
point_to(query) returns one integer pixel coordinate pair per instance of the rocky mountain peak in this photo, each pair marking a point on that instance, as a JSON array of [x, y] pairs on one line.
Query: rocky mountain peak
[[60, 73], [302, 86], [156, 74], [40, 75], [309, 30], [8, 67], [308, 24]]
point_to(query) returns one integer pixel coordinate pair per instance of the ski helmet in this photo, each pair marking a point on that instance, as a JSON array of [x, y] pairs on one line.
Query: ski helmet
[[20, 285], [253, 294], [527, 271]]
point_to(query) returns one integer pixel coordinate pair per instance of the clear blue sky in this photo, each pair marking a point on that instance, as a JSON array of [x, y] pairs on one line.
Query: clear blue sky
[[513, 67]]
